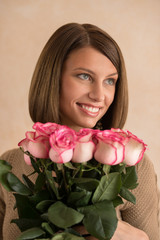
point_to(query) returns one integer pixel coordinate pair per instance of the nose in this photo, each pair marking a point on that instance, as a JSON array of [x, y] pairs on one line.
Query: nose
[[96, 93]]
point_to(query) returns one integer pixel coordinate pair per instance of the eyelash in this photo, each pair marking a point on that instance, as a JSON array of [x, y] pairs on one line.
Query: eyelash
[[90, 78], [111, 79], [84, 74]]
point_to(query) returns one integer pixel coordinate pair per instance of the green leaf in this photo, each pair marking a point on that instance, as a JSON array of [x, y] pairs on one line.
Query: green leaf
[[62, 216], [126, 194], [117, 201], [40, 181], [28, 182], [79, 199], [134, 185], [44, 205], [100, 219], [43, 239], [34, 164], [39, 197], [17, 185], [31, 234], [69, 165], [25, 208], [106, 168], [33, 161], [93, 173], [108, 187], [89, 184], [26, 223], [44, 216], [5, 167], [130, 178], [66, 236], [118, 168], [52, 183], [47, 227]]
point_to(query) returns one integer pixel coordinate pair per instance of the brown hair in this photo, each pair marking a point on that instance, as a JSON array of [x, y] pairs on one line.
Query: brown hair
[[45, 85]]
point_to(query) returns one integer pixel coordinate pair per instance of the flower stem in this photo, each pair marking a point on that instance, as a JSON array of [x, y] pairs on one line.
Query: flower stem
[[64, 178]]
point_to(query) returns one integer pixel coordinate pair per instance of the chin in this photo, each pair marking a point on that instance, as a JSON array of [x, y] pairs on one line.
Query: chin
[[89, 125]]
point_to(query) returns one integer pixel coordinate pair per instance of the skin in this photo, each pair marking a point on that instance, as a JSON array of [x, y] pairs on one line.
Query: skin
[[124, 231], [88, 81], [88, 86]]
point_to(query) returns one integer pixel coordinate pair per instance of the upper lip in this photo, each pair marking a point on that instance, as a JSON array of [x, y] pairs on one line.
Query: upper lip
[[89, 105]]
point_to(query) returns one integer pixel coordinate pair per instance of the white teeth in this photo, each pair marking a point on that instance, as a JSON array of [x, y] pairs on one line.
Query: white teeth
[[90, 109]]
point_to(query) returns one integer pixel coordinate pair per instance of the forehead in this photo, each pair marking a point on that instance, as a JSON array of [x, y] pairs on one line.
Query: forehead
[[88, 57]]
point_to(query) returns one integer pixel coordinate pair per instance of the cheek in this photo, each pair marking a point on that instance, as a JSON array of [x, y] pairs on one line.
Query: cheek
[[65, 91], [72, 90], [110, 97], [67, 95]]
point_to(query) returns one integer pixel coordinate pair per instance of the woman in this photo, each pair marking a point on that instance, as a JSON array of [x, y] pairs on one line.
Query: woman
[[80, 81]]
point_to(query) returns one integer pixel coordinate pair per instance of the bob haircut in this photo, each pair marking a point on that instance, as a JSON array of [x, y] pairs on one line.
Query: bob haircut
[[45, 85]]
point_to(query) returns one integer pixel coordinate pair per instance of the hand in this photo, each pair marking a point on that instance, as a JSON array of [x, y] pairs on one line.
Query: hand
[[124, 231]]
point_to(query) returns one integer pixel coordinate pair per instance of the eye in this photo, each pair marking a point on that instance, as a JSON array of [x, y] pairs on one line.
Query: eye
[[110, 81], [84, 76]]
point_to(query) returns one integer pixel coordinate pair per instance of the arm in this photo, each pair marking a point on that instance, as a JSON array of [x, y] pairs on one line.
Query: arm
[[2, 207], [144, 215], [9, 231], [140, 221], [2, 211], [124, 231]]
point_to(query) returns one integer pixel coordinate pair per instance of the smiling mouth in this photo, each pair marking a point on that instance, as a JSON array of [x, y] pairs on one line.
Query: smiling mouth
[[90, 109]]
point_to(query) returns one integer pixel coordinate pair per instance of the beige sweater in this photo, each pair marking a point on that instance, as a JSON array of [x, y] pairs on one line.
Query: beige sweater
[[143, 215]]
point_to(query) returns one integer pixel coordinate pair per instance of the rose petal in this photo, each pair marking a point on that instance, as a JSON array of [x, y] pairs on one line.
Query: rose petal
[[63, 157], [37, 146], [27, 159], [105, 153], [133, 152], [134, 147], [38, 150], [83, 152], [45, 129], [110, 147]]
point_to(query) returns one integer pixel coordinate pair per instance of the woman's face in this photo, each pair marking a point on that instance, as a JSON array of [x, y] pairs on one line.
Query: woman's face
[[88, 85]]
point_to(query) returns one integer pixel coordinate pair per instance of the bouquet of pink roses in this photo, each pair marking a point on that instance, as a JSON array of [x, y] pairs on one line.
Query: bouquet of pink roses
[[81, 177]]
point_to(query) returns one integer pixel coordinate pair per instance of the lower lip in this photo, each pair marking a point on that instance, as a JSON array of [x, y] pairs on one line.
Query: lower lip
[[91, 114]]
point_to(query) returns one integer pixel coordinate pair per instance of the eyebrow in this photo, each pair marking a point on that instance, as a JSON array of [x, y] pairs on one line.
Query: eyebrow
[[90, 71]]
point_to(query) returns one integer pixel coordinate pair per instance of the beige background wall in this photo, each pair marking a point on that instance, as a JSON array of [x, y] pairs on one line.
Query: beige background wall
[[26, 25]]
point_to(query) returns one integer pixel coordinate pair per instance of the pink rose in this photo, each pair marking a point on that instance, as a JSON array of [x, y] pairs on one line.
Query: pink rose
[[110, 147], [85, 147], [62, 143], [134, 147], [45, 129], [38, 146]]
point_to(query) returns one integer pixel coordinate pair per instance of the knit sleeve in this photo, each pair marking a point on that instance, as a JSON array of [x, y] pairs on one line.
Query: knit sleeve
[[144, 214], [2, 203], [2, 210], [9, 231]]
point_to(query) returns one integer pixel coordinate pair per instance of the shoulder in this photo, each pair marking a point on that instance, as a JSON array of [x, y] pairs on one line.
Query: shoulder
[[10, 155], [145, 161], [147, 190], [144, 214], [147, 184], [16, 158], [145, 166]]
